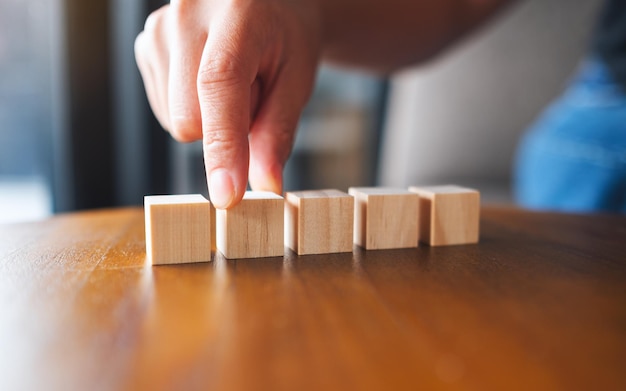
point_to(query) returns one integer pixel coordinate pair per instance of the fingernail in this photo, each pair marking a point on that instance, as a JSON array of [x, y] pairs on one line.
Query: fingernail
[[221, 188]]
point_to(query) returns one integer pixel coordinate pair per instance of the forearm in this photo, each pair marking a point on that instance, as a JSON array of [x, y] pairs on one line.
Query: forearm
[[385, 35]]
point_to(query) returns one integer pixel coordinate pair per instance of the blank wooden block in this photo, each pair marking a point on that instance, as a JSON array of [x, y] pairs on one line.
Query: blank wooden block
[[449, 215], [178, 229], [213, 230], [253, 228], [319, 221], [385, 218]]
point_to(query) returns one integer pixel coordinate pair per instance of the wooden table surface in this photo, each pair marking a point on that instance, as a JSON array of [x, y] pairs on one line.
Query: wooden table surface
[[540, 303]]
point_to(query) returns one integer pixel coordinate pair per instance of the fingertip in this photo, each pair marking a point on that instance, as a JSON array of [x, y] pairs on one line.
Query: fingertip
[[185, 128], [222, 190], [267, 178]]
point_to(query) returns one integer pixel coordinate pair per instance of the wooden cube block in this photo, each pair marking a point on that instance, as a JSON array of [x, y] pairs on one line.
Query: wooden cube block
[[319, 221], [213, 230], [253, 228], [178, 229], [449, 215], [385, 218]]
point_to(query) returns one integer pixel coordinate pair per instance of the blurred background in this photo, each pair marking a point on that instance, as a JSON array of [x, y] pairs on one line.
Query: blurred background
[[76, 131]]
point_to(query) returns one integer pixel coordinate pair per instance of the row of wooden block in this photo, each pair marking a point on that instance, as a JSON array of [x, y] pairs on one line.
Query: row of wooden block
[[182, 228]]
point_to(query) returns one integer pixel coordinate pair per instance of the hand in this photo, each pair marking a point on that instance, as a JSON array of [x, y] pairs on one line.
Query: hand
[[235, 74]]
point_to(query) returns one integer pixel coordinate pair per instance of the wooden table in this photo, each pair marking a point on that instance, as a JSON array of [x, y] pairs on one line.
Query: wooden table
[[540, 303]]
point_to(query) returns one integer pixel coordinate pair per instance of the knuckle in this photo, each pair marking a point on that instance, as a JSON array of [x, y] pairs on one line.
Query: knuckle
[[155, 20], [221, 146], [285, 137], [185, 130], [283, 128], [218, 140], [140, 43], [223, 69]]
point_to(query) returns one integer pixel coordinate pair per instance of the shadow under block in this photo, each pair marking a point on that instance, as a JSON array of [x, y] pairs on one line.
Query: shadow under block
[[319, 221], [178, 229], [449, 215], [253, 228], [385, 218]]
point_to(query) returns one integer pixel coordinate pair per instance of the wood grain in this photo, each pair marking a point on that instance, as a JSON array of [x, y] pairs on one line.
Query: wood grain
[[319, 221], [449, 215], [178, 229], [252, 229], [538, 304], [385, 218]]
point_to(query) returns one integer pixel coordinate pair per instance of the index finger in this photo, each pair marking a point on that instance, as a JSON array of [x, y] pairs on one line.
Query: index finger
[[228, 68]]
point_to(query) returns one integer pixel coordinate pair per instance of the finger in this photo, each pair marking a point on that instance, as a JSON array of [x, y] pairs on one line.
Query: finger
[[149, 80], [151, 53], [227, 70], [186, 46], [273, 131]]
